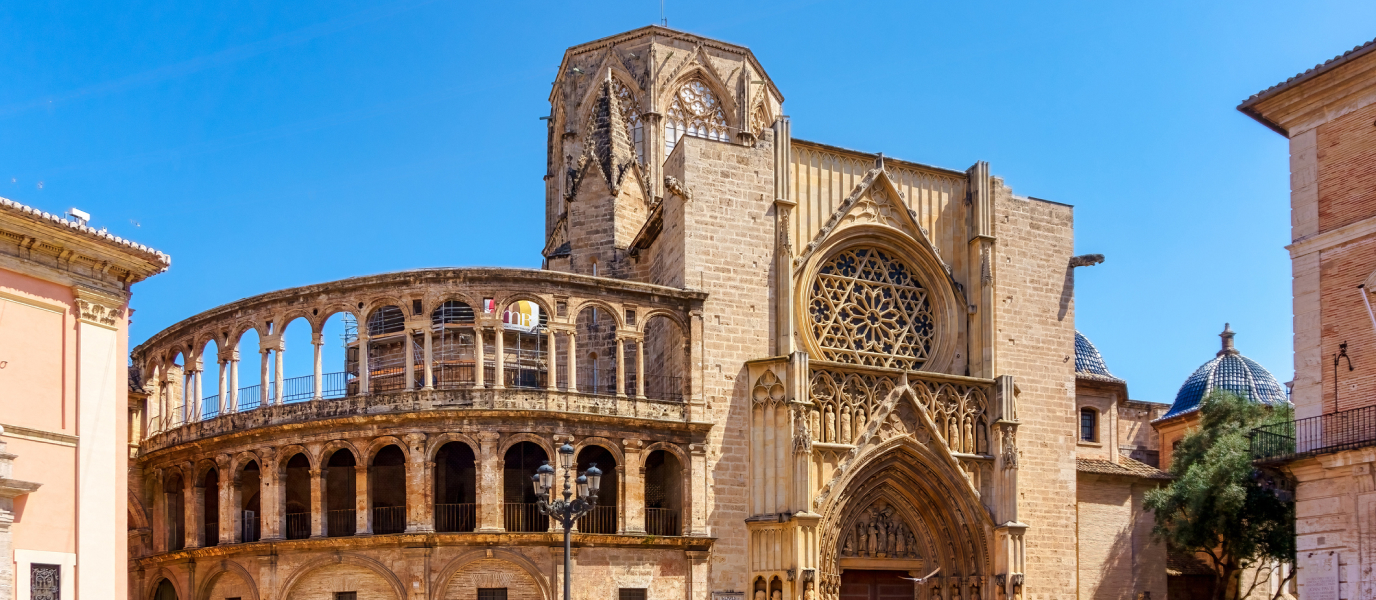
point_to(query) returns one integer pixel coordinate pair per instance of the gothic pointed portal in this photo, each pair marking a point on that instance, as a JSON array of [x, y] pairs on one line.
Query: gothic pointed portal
[[908, 498]]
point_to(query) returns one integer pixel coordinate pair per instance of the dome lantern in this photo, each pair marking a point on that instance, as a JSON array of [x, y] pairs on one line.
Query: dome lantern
[[1230, 371]]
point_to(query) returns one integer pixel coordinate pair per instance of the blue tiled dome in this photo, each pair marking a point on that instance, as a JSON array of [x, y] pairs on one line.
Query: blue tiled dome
[[1089, 364], [1230, 371]]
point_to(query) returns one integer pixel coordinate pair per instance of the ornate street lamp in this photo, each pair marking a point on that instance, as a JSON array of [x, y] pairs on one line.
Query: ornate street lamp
[[567, 509]]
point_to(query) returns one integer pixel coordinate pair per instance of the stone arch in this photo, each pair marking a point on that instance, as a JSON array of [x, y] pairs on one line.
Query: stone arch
[[901, 461], [138, 515], [945, 305], [333, 446], [445, 580], [584, 303], [378, 443], [440, 440], [515, 438], [165, 573], [286, 453], [302, 573], [241, 460], [213, 579], [672, 316], [605, 444], [671, 448]]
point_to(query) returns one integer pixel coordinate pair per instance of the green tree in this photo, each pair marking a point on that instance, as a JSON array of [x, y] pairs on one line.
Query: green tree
[[1216, 505]]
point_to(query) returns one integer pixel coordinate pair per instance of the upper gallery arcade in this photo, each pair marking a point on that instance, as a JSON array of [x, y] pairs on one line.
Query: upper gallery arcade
[[807, 366]]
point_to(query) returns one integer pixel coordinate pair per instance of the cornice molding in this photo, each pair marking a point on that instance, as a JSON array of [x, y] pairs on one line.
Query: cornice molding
[[1333, 237], [98, 308], [32, 236], [1317, 99]]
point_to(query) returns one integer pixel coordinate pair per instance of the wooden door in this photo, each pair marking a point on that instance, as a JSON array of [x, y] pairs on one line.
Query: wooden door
[[876, 585]]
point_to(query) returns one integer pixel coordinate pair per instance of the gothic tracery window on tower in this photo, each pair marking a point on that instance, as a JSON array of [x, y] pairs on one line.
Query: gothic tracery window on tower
[[630, 111], [694, 111], [867, 309]]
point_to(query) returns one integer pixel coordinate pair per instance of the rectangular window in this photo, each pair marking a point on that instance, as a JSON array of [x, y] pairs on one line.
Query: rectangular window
[[346, 596], [45, 582], [491, 593], [631, 594], [1087, 425]]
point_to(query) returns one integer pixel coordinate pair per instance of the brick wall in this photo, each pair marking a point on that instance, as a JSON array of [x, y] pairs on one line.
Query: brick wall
[[1347, 169], [1118, 560], [1035, 343], [1344, 318]]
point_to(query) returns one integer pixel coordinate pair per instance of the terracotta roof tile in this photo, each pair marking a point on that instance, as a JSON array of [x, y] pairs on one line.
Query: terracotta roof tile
[[1125, 467], [1311, 73], [101, 234]]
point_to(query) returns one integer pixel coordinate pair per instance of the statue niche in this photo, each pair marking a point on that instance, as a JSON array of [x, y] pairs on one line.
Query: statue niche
[[880, 534]]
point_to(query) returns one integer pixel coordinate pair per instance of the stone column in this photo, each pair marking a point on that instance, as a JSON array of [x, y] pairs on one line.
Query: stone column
[[228, 503], [281, 377], [264, 381], [419, 500], [234, 382], [500, 361], [363, 502], [318, 503], [271, 496], [620, 367], [429, 358], [408, 355], [551, 362], [363, 373], [198, 393], [194, 501], [573, 359], [633, 486], [489, 484], [318, 344], [696, 511], [223, 396], [235, 519], [479, 361], [640, 368], [696, 355]]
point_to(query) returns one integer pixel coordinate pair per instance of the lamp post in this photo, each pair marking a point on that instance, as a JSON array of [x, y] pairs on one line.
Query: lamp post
[[567, 509]]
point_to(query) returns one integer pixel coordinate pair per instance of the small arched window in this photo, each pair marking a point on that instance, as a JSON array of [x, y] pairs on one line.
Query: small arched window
[[694, 110], [1089, 425]]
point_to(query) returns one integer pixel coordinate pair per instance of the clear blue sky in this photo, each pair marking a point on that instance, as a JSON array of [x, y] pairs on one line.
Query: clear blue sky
[[271, 144]]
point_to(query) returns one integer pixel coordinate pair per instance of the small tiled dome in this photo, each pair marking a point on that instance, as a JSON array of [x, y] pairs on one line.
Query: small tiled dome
[[1089, 364], [1230, 371]]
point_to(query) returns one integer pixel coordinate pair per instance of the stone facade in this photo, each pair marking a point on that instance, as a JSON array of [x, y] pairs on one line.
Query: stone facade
[[808, 369], [1327, 114]]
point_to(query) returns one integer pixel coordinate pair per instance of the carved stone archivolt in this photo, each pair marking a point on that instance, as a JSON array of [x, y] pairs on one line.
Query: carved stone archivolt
[[881, 533]]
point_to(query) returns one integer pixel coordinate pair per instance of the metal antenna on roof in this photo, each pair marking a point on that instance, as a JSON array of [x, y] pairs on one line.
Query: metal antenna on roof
[[662, 20]]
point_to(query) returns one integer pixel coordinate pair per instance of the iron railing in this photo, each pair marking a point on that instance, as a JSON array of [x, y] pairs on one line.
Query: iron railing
[[298, 526], [212, 533], [601, 519], [664, 387], [250, 526], [1332, 432], [600, 381], [456, 517], [662, 521], [452, 375], [389, 519], [250, 397], [340, 523], [210, 407], [520, 516]]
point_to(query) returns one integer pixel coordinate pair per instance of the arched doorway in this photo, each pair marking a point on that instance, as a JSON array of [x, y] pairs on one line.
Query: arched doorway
[[603, 517], [456, 478], [520, 511], [341, 506], [165, 591], [387, 486]]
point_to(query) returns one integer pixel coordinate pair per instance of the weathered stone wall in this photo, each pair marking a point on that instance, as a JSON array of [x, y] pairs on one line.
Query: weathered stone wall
[[1035, 343]]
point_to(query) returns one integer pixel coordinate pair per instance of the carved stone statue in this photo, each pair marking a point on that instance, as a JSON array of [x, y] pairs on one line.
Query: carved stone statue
[[816, 418], [896, 541], [759, 594], [859, 423], [809, 593], [954, 439], [969, 440], [776, 595], [845, 427], [872, 541], [912, 546], [830, 425], [848, 550]]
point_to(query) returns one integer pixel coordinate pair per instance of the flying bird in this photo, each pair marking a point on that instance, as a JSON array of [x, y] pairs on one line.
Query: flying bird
[[924, 579]]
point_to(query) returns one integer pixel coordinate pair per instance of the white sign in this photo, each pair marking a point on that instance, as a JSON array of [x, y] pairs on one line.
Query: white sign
[[1318, 576], [728, 595]]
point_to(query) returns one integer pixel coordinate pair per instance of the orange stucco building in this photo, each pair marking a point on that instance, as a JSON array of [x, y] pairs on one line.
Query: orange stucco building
[[64, 416]]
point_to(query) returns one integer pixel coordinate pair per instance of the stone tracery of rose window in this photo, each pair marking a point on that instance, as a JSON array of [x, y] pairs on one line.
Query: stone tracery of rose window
[[630, 112], [867, 309], [694, 111]]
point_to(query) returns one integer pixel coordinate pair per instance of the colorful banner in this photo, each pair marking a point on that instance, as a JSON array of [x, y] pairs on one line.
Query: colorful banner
[[522, 315]]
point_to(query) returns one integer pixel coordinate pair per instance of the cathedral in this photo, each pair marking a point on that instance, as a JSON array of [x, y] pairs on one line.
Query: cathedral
[[806, 372]]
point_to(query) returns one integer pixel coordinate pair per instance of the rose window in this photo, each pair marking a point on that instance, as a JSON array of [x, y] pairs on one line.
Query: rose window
[[867, 309], [694, 111]]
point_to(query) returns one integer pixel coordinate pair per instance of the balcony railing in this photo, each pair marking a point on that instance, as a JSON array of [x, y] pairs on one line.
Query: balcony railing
[[298, 526], [519, 516], [601, 519], [250, 526], [212, 533], [1332, 432], [455, 517], [662, 521], [389, 519], [341, 522]]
